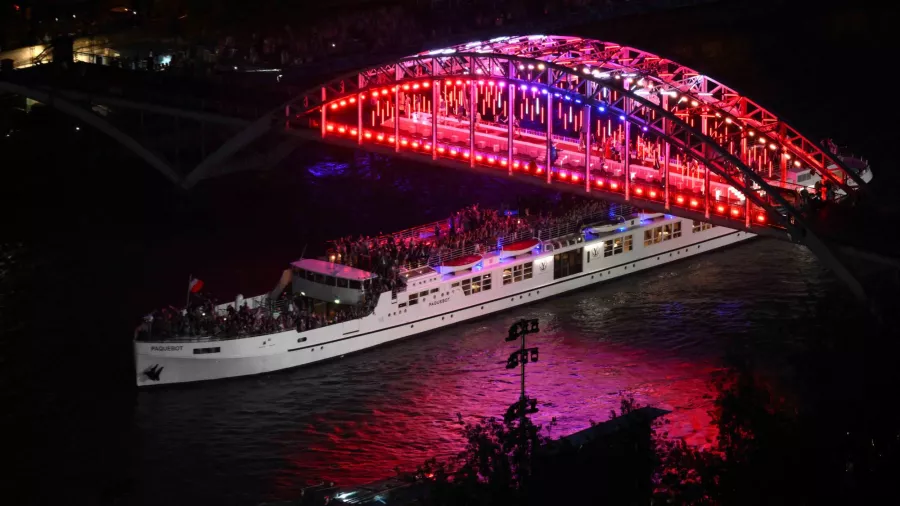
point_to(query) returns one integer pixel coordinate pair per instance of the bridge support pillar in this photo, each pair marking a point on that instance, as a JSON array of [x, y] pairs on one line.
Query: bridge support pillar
[[397, 115], [510, 123], [473, 109], [666, 151], [705, 131], [626, 145], [324, 107], [549, 162], [747, 183], [359, 118], [435, 110], [587, 147]]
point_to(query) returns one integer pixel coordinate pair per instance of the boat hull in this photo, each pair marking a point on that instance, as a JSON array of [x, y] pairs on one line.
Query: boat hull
[[181, 361]]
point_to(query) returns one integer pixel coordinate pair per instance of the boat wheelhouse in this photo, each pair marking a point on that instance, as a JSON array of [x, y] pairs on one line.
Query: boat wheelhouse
[[328, 281]]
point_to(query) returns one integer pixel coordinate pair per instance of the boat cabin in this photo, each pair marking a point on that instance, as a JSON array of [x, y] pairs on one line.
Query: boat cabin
[[330, 282]]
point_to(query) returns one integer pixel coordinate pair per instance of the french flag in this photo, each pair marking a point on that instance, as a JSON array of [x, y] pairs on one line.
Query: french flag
[[195, 285]]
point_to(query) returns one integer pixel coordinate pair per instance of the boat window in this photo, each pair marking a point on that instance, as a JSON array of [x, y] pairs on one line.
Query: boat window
[[607, 248], [300, 273], [486, 281], [455, 285], [354, 284], [667, 231], [507, 276], [320, 278], [342, 283], [628, 242], [517, 272], [413, 299], [700, 226], [648, 237], [527, 271], [676, 229], [330, 280], [617, 245], [434, 290], [402, 304], [310, 275]]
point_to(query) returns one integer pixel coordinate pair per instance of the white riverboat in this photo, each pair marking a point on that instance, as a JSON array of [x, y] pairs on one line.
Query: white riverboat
[[566, 258]]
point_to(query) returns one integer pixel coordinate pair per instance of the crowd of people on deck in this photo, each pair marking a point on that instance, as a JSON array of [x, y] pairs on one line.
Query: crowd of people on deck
[[202, 318], [471, 229]]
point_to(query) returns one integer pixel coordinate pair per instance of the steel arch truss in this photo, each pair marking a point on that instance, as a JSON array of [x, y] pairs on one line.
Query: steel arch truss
[[587, 60], [596, 90]]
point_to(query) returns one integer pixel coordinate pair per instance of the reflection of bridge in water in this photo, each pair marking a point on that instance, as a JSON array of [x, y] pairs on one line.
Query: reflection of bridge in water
[[615, 122]]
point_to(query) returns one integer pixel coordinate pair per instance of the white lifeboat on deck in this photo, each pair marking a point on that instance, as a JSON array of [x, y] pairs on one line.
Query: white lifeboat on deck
[[460, 264], [519, 247]]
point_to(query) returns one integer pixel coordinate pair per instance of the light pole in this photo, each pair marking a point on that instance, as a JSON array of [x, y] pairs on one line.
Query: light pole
[[519, 358]]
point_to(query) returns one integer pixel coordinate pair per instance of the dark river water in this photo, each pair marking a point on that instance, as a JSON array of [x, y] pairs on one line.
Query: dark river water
[[93, 239]]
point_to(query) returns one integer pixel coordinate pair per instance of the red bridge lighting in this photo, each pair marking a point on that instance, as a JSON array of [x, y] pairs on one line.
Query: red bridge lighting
[[614, 186], [600, 183], [720, 208], [679, 199], [761, 218], [694, 203], [342, 129], [652, 194], [638, 191], [735, 211], [575, 177], [334, 106]]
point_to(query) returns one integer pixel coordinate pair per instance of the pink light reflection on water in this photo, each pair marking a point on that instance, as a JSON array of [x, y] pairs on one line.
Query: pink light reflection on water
[[576, 381]]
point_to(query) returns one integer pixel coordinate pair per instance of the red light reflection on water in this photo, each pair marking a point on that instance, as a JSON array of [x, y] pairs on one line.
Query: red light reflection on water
[[578, 380]]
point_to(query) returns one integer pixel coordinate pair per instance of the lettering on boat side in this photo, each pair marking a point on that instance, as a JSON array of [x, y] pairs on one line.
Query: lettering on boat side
[[166, 348], [439, 301], [595, 252]]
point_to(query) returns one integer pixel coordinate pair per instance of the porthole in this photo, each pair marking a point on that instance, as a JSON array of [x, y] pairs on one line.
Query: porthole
[[442, 317], [634, 265], [520, 297], [529, 294], [657, 258], [321, 347], [592, 277], [698, 246], [312, 349], [678, 252], [539, 292], [411, 326], [670, 254], [451, 316], [301, 340], [482, 307]]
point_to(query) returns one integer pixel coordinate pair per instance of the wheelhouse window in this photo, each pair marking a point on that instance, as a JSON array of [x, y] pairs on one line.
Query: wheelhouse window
[[355, 285], [343, 283], [676, 229], [507, 276]]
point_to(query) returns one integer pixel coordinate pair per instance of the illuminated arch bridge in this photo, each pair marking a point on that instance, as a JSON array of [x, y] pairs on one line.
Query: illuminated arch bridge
[[618, 122]]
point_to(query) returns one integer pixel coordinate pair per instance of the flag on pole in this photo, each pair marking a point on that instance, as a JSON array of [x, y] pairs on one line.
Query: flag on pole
[[195, 285]]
